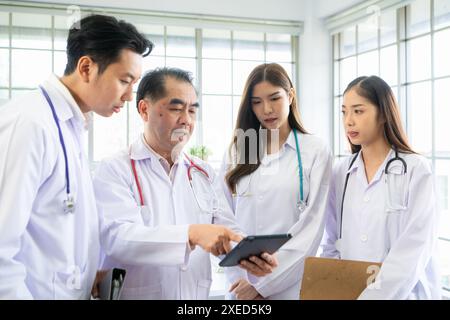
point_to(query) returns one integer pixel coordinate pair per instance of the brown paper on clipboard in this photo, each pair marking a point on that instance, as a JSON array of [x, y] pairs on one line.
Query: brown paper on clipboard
[[334, 279]]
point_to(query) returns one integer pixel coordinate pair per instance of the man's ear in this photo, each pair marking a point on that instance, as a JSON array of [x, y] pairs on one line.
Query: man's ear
[[86, 68], [144, 109]]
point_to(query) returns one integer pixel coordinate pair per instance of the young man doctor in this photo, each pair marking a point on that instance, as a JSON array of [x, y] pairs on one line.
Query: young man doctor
[[49, 238], [162, 211]]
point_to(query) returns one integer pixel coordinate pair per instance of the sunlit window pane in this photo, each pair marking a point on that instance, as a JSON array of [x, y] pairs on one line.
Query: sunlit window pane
[[419, 59], [388, 65], [216, 76], [236, 105], [59, 62], [110, 134], [348, 38], [4, 67], [216, 44], [156, 35], [187, 64], [278, 48], [348, 71], [241, 70], [181, 42], [217, 124], [419, 117], [248, 45], [368, 35], [15, 93], [31, 31], [288, 68], [336, 83], [418, 18], [25, 60], [135, 122], [61, 32], [442, 116], [442, 53], [441, 13], [4, 29], [4, 96], [388, 27], [368, 64]]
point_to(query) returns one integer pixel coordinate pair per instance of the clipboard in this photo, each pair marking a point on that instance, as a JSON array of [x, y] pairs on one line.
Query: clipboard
[[110, 287], [254, 246], [335, 279]]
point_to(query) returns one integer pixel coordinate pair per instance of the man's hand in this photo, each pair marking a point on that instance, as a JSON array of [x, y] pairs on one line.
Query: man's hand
[[95, 291], [245, 291], [260, 266], [212, 238]]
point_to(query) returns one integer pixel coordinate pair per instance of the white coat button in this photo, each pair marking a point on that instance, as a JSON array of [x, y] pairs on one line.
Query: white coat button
[[363, 238], [183, 268], [366, 199], [260, 197]]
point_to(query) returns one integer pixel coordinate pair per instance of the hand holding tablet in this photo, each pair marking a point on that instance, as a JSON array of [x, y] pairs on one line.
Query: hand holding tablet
[[254, 246]]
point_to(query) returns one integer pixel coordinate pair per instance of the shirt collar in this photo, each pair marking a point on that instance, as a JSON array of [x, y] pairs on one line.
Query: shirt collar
[[140, 150], [65, 105], [290, 143]]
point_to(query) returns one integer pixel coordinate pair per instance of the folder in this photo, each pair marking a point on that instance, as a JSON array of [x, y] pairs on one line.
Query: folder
[[335, 279], [111, 286]]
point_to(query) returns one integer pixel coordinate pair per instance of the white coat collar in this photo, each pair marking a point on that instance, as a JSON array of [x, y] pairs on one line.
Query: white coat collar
[[360, 163], [65, 105]]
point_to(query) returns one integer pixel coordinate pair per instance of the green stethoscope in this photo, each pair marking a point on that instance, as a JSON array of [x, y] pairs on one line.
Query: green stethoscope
[[301, 204]]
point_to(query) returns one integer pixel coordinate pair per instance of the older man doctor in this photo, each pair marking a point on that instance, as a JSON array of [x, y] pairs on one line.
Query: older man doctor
[[162, 211]]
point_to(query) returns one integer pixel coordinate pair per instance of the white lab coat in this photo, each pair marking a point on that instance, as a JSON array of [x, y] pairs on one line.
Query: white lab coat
[[44, 252], [266, 203], [403, 240], [151, 242]]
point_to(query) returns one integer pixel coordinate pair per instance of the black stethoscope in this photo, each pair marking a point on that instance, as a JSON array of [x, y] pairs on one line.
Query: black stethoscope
[[386, 171], [69, 203]]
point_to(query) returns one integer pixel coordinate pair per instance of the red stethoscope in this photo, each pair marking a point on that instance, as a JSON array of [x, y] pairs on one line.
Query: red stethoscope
[[191, 172]]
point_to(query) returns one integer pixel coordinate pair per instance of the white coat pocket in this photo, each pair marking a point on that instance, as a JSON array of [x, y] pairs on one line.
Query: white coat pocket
[[396, 186], [203, 287]]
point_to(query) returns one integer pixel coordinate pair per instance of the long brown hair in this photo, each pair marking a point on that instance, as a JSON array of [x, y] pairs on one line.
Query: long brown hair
[[378, 92], [246, 119]]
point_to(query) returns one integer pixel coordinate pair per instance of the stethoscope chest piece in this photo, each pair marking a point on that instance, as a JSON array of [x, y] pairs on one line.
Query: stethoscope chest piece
[[69, 204], [301, 205]]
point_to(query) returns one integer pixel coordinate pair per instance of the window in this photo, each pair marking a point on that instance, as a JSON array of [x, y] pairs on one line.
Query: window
[[409, 48], [224, 58]]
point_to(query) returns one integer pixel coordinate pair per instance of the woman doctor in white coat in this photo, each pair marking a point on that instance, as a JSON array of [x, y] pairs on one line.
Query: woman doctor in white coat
[[381, 204], [284, 190]]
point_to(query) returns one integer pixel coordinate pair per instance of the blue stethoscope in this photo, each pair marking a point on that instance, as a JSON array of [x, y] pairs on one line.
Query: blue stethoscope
[[386, 171], [69, 203]]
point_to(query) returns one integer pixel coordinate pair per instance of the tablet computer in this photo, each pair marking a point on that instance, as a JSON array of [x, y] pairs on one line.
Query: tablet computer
[[254, 246]]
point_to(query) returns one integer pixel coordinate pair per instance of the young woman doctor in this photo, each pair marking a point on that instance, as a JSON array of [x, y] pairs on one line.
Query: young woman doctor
[[381, 205], [278, 184]]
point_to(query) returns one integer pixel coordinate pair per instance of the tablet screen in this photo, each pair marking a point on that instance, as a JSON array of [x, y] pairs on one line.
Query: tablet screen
[[254, 246]]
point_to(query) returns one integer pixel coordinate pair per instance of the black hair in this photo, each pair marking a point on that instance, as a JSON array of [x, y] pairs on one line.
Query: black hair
[[153, 83], [102, 38]]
